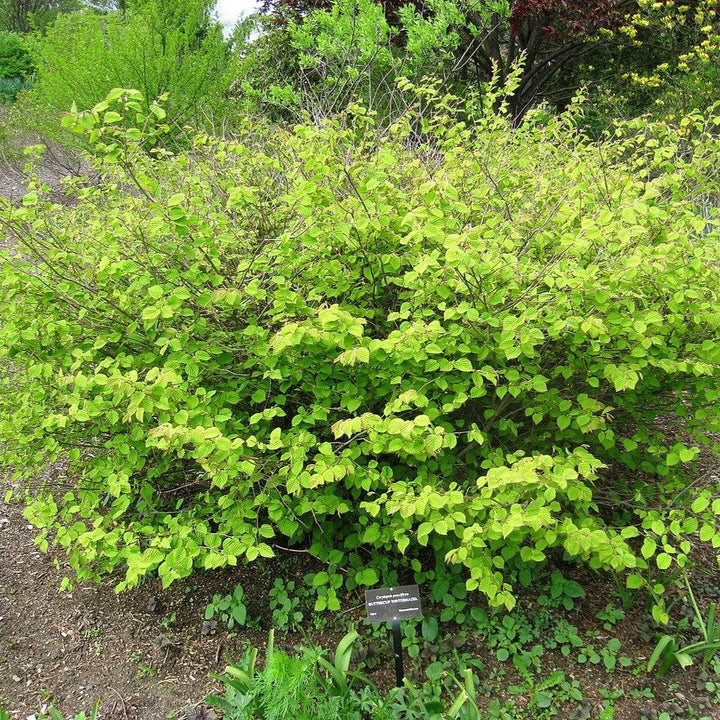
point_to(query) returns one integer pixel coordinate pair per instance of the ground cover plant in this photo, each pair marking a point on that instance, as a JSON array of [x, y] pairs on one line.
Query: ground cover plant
[[456, 348], [449, 682]]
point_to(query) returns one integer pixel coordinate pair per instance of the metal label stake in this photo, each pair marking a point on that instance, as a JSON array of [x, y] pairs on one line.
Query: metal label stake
[[393, 605], [397, 650]]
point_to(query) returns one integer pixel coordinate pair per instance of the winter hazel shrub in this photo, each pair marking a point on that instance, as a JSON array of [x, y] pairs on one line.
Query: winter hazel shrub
[[453, 347]]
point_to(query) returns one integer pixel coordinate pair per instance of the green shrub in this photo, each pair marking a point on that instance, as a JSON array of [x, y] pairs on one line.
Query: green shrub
[[349, 52], [473, 345], [84, 55], [15, 66], [15, 60], [10, 88]]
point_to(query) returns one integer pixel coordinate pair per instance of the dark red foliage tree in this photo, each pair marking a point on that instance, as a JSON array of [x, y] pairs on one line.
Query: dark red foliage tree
[[573, 18], [551, 36], [18, 15]]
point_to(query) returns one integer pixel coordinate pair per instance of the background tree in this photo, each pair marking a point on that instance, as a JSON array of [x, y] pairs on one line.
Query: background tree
[[665, 60], [563, 44], [15, 60], [549, 37], [550, 34], [325, 59], [15, 65], [26, 15]]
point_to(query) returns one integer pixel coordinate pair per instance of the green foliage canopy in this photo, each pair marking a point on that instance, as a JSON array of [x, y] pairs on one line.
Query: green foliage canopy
[[453, 342], [321, 63]]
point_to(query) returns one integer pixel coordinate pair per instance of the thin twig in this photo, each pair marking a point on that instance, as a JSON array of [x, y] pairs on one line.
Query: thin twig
[[122, 700]]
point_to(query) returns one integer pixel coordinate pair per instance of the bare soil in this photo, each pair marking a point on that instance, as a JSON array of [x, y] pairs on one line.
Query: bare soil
[[74, 648]]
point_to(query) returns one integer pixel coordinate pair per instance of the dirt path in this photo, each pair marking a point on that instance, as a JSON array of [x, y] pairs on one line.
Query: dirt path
[[10, 182], [74, 648]]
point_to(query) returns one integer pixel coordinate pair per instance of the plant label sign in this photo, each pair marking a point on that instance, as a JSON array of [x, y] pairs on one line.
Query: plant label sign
[[393, 604]]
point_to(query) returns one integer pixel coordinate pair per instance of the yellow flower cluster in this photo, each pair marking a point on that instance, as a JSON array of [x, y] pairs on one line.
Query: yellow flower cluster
[[648, 81]]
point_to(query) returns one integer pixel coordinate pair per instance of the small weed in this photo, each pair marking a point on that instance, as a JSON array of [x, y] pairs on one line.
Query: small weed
[[325, 585], [561, 592], [168, 620], [565, 636], [54, 714], [453, 598], [609, 654], [286, 614], [588, 654], [547, 694], [609, 697], [610, 616], [412, 641], [143, 670], [231, 609], [511, 636]]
